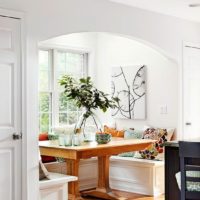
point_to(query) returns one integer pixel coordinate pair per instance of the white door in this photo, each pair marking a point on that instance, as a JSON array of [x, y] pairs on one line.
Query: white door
[[10, 109], [191, 87]]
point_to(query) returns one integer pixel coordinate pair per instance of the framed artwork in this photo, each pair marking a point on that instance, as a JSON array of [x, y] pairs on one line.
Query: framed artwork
[[129, 85]]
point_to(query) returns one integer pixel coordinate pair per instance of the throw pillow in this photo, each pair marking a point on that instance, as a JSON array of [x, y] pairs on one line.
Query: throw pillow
[[160, 135], [170, 131], [162, 138], [114, 132], [46, 159], [43, 136], [150, 133], [131, 134], [43, 173], [149, 153]]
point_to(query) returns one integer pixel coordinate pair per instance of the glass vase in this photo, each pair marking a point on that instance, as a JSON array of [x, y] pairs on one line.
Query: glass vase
[[89, 124]]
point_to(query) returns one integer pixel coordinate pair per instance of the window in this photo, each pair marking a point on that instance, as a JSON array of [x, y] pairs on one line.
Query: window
[[54, 108]]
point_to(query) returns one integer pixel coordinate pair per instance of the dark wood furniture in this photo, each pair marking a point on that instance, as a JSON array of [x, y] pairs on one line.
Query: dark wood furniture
[[189, 152], [172, 166], [73, 154]]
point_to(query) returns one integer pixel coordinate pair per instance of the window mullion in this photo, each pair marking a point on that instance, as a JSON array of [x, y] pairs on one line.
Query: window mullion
[[85, 65], [50, 90], [55, 89]]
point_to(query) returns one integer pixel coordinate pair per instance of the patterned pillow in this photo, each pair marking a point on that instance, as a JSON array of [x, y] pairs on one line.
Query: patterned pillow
[[153, 150], [150, 133], [149, 153], [170, 131], [162, 138], [114, 132]]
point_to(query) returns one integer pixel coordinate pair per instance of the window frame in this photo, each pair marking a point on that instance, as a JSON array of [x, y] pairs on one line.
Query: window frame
[[53, 90]]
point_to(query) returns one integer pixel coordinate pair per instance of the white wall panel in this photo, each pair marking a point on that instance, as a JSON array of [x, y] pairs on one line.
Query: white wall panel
[[6, 93], [5, 39], [6, 174]]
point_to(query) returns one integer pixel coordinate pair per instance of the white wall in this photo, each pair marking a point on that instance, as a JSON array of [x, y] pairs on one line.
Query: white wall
[[162, 78], [46, 19]]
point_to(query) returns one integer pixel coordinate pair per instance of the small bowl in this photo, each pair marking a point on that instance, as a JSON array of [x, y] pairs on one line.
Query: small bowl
[[103, 138]]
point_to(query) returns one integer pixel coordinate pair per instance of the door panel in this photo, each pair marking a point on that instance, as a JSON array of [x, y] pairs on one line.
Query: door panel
[[191, 92], [6, 173], [6, 100], [10, 109], [5, 39]]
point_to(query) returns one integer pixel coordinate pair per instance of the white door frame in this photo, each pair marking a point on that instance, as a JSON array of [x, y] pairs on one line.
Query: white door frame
[[21, 17], [184, 45]]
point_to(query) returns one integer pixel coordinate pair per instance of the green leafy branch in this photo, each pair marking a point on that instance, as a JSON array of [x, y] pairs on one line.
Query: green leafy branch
[[85, 95]]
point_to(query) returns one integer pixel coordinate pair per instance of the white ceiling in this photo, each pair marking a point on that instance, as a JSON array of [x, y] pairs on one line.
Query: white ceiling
[[178, 8]]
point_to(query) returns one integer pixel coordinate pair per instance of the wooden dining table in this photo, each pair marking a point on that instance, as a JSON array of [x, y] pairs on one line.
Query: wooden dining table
[[73, 154]]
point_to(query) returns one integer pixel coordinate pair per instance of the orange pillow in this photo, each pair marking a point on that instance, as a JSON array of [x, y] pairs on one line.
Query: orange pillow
[[46, 159], [114, 132], [43, 136]]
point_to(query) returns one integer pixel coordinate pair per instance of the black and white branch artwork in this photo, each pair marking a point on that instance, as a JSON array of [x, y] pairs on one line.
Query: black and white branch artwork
[[128, 84]]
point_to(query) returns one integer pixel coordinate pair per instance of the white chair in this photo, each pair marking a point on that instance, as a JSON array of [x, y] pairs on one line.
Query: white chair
[[56, 187]]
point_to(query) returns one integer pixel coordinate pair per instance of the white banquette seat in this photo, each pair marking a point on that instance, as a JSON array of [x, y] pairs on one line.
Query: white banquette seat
[[126, 174], [56, 187]]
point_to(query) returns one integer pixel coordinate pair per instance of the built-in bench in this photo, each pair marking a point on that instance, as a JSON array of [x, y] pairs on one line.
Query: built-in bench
[[137, 175], [55, 188], [126, 174]]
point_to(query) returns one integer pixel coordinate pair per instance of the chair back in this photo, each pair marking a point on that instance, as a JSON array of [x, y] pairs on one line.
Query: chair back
[[189, 153]]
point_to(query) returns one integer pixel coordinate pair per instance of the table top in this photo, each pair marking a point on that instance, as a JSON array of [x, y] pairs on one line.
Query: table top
[[94, 145], [91, 149]]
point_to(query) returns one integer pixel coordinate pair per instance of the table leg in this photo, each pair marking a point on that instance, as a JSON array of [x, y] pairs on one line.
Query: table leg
[[73, 187], [103, 173], [103, 190]]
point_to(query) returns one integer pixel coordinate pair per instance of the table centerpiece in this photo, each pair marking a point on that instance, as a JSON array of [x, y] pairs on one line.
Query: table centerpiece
[[89, 98]]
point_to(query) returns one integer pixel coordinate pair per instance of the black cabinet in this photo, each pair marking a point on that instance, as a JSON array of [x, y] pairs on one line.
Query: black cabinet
[[172, 166]]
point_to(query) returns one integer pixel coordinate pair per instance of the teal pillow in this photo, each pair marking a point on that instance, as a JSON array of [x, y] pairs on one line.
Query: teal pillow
[[131, 134], [127, 154]]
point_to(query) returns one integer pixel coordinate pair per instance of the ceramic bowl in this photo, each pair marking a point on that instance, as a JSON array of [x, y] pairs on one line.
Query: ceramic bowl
[[103, 138]]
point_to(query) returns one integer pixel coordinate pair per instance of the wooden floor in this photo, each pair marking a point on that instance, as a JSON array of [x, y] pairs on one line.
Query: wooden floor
[[131, 196]]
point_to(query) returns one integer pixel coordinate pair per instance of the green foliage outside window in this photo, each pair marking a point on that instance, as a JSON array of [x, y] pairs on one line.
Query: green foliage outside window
[[45, 112]]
